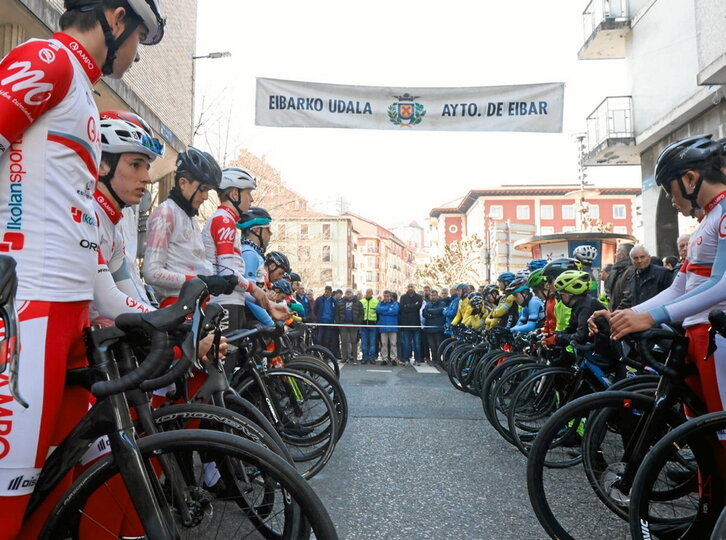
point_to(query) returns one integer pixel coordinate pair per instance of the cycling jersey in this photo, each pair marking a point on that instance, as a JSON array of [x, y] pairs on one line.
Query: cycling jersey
[[129, 227], [530, 316], [254, 263], [699, 286], [174, 250], [49, 156], [223, 249], [505, 314]]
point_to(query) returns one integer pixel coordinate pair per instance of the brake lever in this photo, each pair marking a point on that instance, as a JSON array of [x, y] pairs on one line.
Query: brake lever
[[11, 349]]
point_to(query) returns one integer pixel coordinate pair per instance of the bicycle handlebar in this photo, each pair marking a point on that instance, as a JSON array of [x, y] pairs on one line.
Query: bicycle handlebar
[[276, 330], [155, 325]]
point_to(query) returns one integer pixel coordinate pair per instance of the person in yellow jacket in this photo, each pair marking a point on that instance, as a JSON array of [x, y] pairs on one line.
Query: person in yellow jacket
[[369, 332], [507, 312], [463, 310], [477, 311]]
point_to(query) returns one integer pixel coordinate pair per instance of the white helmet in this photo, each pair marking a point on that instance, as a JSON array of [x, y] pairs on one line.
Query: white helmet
[[522, 274], [236, 177], [120, 137], [148, 11], [585, 254]]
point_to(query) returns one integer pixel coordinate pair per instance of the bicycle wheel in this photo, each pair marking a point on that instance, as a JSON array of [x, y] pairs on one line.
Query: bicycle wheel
[[559, 488], [494, 375], [248, 472], [678, 491], [454, 366], [327, 379], [499, 401], [324, 354], [303, 413]]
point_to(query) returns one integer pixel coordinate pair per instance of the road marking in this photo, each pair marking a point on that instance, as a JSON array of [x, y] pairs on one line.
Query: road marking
[[380, 370], [426, 369]]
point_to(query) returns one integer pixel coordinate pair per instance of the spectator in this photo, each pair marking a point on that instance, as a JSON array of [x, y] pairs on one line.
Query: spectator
[[387, 311], [444, 295], [338, 294], [620, 275], [457, 293], [409, 315], [349, 311], [654, 259], [670, 262], [683, 246], [325, 313], [369, 335], [434, 320], [311, 297], [425, 353], [648, 279], [302, 299]]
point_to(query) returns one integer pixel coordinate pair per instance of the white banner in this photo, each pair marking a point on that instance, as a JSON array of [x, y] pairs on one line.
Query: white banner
[[527, 107]]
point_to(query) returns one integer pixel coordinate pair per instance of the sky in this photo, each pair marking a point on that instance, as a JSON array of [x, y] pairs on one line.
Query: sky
[[396, 177]]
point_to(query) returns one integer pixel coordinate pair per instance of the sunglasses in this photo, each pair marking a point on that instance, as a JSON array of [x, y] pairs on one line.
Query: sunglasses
[[153, 144]]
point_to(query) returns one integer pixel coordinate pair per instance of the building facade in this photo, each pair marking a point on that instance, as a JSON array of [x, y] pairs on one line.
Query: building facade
[[675, 53]]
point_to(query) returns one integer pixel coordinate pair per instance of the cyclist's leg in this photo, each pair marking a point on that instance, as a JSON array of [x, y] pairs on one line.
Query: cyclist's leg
[[52, 341]]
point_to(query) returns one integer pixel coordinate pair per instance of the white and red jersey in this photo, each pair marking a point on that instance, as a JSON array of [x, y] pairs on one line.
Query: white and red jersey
[[50, 149], [700, 285], [223, 249], [174, 250]]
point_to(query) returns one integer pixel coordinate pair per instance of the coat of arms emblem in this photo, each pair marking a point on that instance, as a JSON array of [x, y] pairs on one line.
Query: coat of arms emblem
[[406, 112]]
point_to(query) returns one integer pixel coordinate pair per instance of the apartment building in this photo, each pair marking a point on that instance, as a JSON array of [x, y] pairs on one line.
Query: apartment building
[[675, 53]]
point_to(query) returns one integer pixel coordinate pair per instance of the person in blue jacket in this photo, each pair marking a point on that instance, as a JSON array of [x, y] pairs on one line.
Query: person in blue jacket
[[450, 311], [324, 308], [387, 310], [532, 313], [434, 320]]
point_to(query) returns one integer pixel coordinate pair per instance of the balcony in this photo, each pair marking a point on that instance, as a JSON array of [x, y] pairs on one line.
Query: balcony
[[610, 136], [606, 25]]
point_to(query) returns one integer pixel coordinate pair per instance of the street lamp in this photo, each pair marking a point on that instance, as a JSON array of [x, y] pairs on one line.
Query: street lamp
[[212, 56]]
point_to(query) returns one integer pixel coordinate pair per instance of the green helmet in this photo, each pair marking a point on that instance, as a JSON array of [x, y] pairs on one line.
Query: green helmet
[[536, 278], [573, 281]]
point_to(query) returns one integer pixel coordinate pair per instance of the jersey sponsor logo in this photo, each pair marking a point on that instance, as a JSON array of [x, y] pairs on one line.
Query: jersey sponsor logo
[[82, 56], [28, 82], [46, 55], [22, 482], [87, 244], [79, 216], [92, 130], [17, 176], [226, 234], [722, 227], [12, 241], [6, 416]]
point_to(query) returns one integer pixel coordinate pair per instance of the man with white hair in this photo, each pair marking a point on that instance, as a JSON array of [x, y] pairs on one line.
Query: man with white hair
[[648, 279]]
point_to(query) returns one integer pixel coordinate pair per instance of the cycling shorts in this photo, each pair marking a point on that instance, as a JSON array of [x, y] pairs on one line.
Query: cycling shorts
[[710, 385]]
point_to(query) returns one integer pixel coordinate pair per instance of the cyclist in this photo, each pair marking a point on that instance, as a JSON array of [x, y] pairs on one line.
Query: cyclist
[[532, 307], [49, 153], [586, 255], [557, 314], [453, 308], [477, 312], [222, 244], [256, 234], [507, 312], [174, 248], [128, 150], [692, 173]]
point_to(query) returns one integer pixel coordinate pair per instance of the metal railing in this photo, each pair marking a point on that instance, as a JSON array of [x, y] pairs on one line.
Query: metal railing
[[613, 118], [598, 11]]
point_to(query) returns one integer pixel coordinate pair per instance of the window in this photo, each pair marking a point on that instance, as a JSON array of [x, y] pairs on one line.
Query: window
[[326, 231], [496, 212], [369, 276], [568, 229], [568, 212], [326, 253], [304, 230], [326, 275], [547, 211], [594, 211], [522, 211], [303, 253], [371, 246], [618, 211], [620, 230], [370, 262], [281, 230], [547, 230]]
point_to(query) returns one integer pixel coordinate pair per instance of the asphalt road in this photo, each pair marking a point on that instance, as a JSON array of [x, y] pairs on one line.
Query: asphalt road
[[418, 461]]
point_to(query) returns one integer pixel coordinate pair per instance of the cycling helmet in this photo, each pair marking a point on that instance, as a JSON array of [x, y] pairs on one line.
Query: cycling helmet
[[461, 287], [573, 282], [254, 217], [536, 279], [122, 136], [506, 277], [680, 156], [236, 177], [295, 277], [585, 254], [128, 116], [491, 289], [147, 12], [536, 264], [518, 285], [200, 166], [523, 273], [476, 299], [556, 267], [278, 259], [282, 286]]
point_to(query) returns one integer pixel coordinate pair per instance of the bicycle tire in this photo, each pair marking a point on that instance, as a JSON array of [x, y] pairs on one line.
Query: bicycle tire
[[301, 506], [326, 355], [500, 399]]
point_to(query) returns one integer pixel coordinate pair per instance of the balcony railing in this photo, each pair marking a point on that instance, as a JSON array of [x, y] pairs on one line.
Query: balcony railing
[[609, 126], [605, 24]]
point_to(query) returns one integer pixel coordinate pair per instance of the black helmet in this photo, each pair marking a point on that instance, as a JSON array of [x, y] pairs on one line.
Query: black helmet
[[295, 276], [200, 166], [254, 217], [682, 155], [279, 259], [556, 267]]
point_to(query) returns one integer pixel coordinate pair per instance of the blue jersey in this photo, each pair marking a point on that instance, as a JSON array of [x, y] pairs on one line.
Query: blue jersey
[[532, 313]]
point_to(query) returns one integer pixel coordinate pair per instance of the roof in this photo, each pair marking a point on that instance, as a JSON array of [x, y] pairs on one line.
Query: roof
[[527, 190]]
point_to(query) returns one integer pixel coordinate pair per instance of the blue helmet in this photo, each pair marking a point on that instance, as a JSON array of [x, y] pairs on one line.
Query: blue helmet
[[536, 264], [461, 287], [282, 286], [506, 277]]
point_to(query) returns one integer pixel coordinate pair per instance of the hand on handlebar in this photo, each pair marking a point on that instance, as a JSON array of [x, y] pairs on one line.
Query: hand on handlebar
[[627, 321], [592, 321], [206, 344], [220, 284], [262, 300]]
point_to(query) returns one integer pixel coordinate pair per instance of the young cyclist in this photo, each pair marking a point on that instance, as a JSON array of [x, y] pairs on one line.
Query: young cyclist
[[586, 255], [507, 311], [557, 314], [174, 247], [532, 307], [691, 171], [256, 234], [50, 149], [477, 312]]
